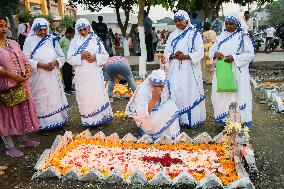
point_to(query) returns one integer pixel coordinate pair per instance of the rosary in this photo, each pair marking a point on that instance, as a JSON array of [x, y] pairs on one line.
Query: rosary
[[179, 64]]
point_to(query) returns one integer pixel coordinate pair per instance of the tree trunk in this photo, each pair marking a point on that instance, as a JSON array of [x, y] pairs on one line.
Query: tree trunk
[[142, 58], [206, 11], [123, 27], [12, 26], [48, 6]]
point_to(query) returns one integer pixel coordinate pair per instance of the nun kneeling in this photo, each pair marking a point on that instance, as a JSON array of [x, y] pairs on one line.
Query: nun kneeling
[[152, 107]]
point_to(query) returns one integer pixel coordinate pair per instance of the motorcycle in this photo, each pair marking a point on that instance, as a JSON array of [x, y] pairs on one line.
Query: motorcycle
[[276, 41], [257, 40]]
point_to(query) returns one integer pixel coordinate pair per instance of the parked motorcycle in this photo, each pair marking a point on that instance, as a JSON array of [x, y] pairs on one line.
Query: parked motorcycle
[[257, 40], [276, 41]]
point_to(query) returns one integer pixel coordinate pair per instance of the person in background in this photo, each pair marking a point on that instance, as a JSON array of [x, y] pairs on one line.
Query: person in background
[[209, 37], [46, 57], [94, 23], [87, 54], [125, 44], [117, 67], [101, 29], [249, 22], [23, 30], [269, 33], [235, 47], [148, 37], [67, 68], [155, 39], [184, 51], [153, 107], [196, 22], [116, 40], [216, 23], [20, 119]]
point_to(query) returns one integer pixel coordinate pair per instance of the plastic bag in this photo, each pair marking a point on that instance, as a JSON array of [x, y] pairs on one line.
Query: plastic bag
[[226, 81]]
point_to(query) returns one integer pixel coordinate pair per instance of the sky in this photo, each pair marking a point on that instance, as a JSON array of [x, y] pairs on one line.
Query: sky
[[158, 12]]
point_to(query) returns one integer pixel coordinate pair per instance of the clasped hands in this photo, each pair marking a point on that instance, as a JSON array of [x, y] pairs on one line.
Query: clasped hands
[[180, 56], [48, 67], [219, 56], [87, 55]]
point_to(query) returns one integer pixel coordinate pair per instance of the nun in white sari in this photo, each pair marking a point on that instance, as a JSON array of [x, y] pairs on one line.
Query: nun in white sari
[[184, 50], [152, 107], [87, 54], [235, 46], [46, 57]]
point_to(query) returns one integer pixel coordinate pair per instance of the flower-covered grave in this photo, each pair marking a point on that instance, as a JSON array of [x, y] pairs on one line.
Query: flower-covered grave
[[199, 162]]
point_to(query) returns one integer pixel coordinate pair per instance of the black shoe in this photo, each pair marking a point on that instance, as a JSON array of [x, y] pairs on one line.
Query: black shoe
[[72, 89], [68, 93]]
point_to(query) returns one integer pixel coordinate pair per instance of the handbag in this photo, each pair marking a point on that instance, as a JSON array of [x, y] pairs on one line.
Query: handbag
[[226, 81], [14, 95]]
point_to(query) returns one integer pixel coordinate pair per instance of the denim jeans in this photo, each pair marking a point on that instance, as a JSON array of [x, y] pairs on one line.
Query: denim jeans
[[122, 68]]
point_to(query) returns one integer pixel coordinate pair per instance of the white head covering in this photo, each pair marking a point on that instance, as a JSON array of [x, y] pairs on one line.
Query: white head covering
[[237, 19], [39, 23], [82, 23], [157, 77], [183, 15]]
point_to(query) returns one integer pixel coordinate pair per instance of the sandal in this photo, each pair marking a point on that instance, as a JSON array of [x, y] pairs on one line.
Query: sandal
[[14, 152], [30, 143]]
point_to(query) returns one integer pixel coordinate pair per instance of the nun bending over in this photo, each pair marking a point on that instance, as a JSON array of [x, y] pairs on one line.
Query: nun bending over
[[87, 54], [152, 107], [235, 46], [46, 57]]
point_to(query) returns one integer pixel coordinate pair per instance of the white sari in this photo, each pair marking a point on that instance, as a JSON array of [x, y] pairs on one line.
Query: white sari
[[185, 76], [162, 120], [93, 101], [47, 89], [240, 47]]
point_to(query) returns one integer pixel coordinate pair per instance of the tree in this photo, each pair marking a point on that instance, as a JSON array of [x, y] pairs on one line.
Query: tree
[[8, 9], [96, 5], [66, 22], [276, 12], [142, 58]]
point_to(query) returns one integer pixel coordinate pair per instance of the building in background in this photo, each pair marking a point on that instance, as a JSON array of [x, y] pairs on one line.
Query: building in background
[[111, 20], [56, 8]]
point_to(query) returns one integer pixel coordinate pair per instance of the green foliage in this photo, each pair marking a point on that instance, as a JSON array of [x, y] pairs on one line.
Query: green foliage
[[47, 17], [26, 16], [66, 22], [10, 7], [276, 12]]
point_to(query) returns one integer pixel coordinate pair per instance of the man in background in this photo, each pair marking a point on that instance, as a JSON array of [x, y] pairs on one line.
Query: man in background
[[249, 22], [148, 37], [101, 29], [67, 68], [216, 23]]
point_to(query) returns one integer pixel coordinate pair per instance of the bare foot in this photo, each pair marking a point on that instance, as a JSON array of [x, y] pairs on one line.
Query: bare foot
[[3, 167]]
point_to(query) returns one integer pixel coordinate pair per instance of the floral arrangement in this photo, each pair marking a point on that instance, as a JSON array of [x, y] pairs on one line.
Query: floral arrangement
[[120, 114], [122, 90], [106, 155], [271, 83]]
